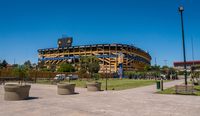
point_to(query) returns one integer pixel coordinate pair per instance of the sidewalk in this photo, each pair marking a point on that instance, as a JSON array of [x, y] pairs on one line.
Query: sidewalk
[[152, 88], [132, 102]]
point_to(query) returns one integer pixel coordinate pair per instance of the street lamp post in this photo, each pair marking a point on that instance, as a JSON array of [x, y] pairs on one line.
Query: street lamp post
[[181, 9]]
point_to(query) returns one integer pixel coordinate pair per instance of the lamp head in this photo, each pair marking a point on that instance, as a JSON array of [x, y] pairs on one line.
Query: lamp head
[[181, 9]]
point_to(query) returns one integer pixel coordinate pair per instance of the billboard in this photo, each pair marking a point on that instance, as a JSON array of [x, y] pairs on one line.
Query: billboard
[[65, 42]]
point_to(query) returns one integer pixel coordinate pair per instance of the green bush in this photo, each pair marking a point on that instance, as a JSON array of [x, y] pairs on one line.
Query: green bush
[[66, 68]]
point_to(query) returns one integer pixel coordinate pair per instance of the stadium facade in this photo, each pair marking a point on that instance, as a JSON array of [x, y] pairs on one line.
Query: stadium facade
[[111, 56]]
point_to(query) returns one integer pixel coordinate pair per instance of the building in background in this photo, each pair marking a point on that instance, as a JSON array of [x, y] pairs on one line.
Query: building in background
[[112, 57], [180, 65]]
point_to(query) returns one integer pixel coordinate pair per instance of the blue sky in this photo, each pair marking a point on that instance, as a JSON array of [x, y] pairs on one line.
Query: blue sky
[[152, 25]]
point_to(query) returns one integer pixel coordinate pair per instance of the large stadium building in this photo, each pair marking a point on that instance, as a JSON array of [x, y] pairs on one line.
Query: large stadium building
[[111, 56]]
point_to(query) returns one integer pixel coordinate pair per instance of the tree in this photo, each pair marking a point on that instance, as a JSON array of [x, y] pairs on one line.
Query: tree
[[34, 66], [27, 64], [82, 73], [41, 64], [93, 67], [15, 65], [1, 65], [147, 68], [65, 67], [155, 68], [84, 62], [21, 72], [4, 64], [52, 68], [195, 74], [90, 64], [165, 70]]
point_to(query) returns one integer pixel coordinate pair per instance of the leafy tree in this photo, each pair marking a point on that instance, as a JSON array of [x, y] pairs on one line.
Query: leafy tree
[[147, 68], [65, 67], [27, 64], [45, 70], [34, 65], [165, 69], [1, 65], [84, 62], [90, 64], [4, 64], [155, 68], [82, 73], [41, 64], [93, 67], [53, 68], [21, 72], [15, 65]]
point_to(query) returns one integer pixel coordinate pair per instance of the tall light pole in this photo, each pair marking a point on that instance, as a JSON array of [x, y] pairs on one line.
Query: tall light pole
[[155, 62], [165, 61], [181, 9], [192, 50]]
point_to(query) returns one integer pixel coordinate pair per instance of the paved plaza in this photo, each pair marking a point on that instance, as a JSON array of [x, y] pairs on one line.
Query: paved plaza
[[132, 102]]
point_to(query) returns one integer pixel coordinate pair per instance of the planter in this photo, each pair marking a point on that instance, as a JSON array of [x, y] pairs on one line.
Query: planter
[[94, 86], [14, 92], [65, 89]]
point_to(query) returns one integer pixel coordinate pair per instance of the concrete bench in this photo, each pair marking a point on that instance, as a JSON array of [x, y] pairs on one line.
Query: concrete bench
[[186, 89], [54, 82], [2, 82]]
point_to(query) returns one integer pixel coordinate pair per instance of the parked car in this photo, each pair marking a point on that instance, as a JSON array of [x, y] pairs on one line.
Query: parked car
[[59, 77], [163, 76], [72, 77]]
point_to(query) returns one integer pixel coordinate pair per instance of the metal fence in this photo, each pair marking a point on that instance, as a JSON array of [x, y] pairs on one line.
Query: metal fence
[[8, 73]]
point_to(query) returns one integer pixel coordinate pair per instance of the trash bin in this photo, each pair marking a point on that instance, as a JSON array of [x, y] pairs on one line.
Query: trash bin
[[158, 84]]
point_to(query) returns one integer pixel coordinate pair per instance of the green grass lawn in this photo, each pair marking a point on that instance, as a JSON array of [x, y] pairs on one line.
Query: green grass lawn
[[172, 91], [113, 84], [43, 81], [117, 84]]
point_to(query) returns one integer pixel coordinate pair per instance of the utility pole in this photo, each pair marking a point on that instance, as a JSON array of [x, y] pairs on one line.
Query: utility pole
[[192, 50], [165, 61], [155, 62]]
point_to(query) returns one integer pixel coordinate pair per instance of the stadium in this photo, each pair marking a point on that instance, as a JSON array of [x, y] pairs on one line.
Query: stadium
[[112, 57]]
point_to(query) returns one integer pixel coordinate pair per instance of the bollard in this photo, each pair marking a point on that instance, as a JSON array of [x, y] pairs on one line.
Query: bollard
[[161, 85]]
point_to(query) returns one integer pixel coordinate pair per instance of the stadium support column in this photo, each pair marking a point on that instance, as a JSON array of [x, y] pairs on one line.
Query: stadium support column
[[120, 61], [120, 72], [109, 62], [79, 60], [91, 50], [116, 59]]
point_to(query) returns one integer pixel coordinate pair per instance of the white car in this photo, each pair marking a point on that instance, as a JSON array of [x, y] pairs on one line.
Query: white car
[[163, 76], [59, 77]]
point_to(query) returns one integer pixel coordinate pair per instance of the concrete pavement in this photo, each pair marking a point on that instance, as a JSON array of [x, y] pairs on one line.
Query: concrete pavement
[[132, 102]]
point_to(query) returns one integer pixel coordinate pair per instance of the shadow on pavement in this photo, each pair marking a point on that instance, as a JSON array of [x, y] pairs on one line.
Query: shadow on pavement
[[32, 98]]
